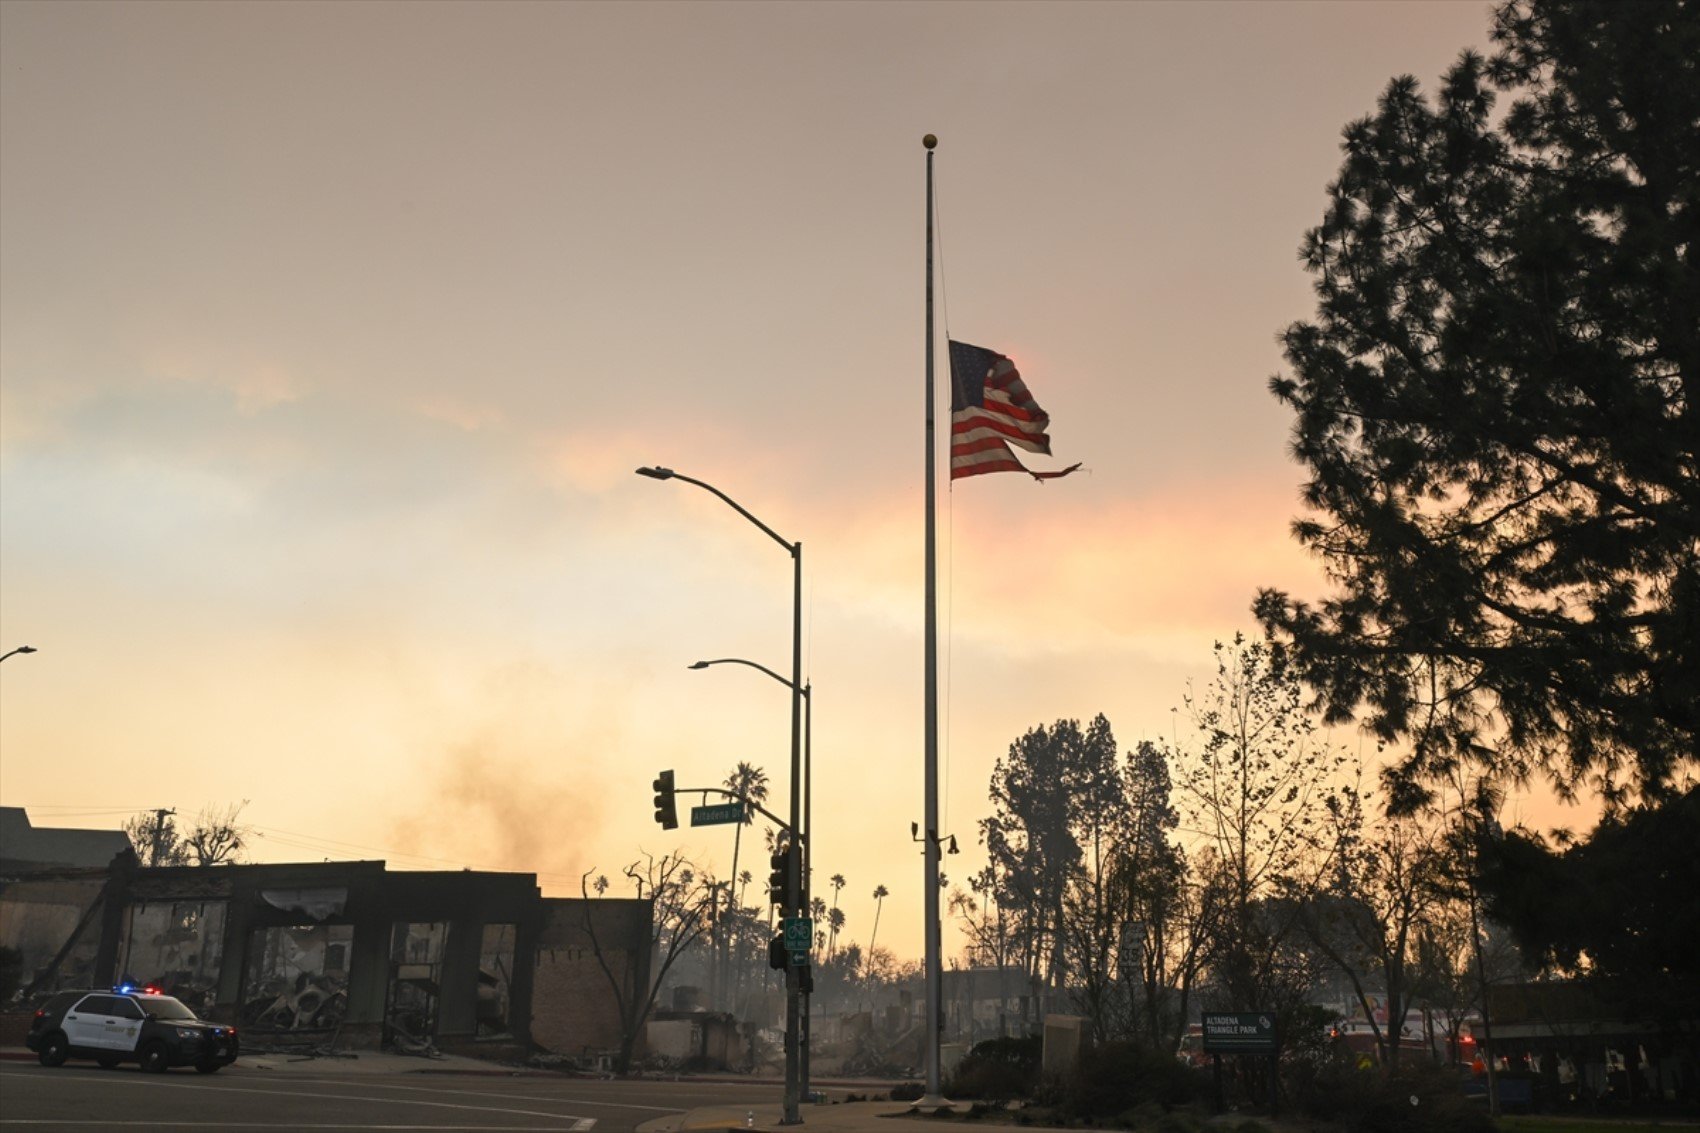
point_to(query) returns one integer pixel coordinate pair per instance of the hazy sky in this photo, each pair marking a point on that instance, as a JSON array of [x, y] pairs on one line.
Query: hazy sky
[[331, 334]]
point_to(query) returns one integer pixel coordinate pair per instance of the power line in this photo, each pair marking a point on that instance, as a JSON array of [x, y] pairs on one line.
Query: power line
[[75, 811]]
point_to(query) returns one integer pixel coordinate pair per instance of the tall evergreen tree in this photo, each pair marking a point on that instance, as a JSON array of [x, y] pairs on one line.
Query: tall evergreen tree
[[1495, 402], [1056, 796]]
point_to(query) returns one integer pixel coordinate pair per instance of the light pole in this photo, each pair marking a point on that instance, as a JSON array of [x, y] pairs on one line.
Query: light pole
[[807, 830], [792, 985], [19, 649]]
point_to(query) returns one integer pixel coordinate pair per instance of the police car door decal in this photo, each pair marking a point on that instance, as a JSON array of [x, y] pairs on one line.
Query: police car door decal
[[130, 1024]]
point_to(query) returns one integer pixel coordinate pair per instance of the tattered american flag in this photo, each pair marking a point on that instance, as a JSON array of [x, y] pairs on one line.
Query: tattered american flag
[[990, 409]]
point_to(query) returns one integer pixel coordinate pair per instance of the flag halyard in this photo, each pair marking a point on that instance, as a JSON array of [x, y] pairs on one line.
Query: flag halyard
[[991, 409]]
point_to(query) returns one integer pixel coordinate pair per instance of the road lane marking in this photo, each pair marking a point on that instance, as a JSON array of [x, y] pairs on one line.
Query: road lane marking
[[259, 1125]]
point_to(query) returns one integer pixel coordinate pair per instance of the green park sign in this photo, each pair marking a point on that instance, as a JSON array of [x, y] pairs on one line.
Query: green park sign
[[1239, 1032]]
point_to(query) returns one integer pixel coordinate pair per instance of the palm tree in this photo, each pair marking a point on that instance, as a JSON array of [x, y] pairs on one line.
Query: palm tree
[[817, 910], [835, 919], [749, 783], [834, 922], [880, 894]]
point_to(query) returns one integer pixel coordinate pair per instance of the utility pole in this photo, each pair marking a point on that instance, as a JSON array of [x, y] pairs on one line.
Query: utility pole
[[159, 817]]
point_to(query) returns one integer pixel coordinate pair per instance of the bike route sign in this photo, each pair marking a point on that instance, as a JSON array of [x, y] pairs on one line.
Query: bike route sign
[[1239, 1032], [799, 934]]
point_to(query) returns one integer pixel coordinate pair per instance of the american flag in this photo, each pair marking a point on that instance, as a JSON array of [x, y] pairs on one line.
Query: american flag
[[990, 409]]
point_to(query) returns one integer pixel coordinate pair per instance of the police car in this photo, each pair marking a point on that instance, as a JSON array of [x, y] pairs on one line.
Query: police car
[[129, 1024]]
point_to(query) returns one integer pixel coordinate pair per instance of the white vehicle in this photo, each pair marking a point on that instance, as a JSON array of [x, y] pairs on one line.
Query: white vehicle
[[128, 1024]]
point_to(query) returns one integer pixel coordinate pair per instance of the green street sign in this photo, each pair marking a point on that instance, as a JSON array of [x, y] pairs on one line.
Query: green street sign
[[717, 815], [799, 935], [1239, 1032]]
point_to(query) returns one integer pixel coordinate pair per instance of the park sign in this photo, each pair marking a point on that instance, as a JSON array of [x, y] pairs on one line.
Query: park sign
[[1239, 1032]]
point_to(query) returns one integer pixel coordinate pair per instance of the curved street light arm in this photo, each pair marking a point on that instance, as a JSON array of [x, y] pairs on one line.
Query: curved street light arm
[[659, 473], [751, 664]]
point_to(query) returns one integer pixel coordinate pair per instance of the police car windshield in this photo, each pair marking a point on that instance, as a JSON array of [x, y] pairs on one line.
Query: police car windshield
[[164, 1007]]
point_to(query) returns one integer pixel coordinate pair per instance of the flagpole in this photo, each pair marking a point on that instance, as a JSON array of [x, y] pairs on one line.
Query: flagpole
[[934, 1097]]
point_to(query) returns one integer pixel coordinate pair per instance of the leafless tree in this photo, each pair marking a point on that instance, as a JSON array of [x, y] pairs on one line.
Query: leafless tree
[[218, 836], [679, 915]]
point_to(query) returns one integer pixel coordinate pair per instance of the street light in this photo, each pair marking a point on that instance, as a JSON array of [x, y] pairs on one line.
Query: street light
[[19, 649], [792, 984], [808, 829]]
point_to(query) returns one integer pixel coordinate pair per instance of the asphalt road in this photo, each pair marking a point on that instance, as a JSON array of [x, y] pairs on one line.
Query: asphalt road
[[237, 1098]]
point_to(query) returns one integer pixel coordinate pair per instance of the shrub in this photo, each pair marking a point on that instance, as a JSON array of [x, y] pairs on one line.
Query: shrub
[[907, 1092], [998, 1070], [1142, 1116], [1116, 1077], [1368, 1101], [1176, 1123]]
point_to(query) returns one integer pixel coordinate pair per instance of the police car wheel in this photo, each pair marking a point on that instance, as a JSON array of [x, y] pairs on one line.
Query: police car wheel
[[108, 1061], [55, 1050], [155, 1058]]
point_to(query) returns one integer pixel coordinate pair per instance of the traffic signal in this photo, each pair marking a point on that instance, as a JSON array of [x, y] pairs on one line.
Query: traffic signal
[[777, 957], [666, 813], [779, 881], [806, 979]]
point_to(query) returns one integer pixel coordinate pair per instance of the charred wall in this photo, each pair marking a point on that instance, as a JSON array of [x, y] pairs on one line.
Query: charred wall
[[575, 1010]]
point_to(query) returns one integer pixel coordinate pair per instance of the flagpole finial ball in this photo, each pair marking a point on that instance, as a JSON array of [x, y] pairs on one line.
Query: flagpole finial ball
[[929, 141]]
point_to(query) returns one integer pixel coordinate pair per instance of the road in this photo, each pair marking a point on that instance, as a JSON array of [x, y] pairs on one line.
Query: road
[[240, 1098]]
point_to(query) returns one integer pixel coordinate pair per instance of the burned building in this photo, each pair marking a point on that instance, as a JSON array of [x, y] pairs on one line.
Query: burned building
[[346, 954]]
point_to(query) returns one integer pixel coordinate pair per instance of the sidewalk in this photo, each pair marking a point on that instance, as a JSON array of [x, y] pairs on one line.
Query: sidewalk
[[848, 1117]]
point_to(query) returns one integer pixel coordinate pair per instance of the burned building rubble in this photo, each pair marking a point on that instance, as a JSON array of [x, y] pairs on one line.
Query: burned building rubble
[[348, 955]]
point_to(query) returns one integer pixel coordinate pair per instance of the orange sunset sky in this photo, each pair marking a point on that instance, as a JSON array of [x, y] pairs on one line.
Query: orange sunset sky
[[331, 335]]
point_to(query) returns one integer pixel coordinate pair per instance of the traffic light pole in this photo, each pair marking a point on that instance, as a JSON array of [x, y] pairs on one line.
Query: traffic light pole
[[793, 975], [787, 888], [793, 988], [733, 795], [806, 901]]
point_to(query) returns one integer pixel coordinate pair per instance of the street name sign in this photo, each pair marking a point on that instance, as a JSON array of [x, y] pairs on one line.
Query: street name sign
[[717, 815], [1239, 1032]]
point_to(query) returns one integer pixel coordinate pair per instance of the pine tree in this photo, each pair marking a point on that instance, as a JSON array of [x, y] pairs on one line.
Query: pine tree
[[1495, 402]]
